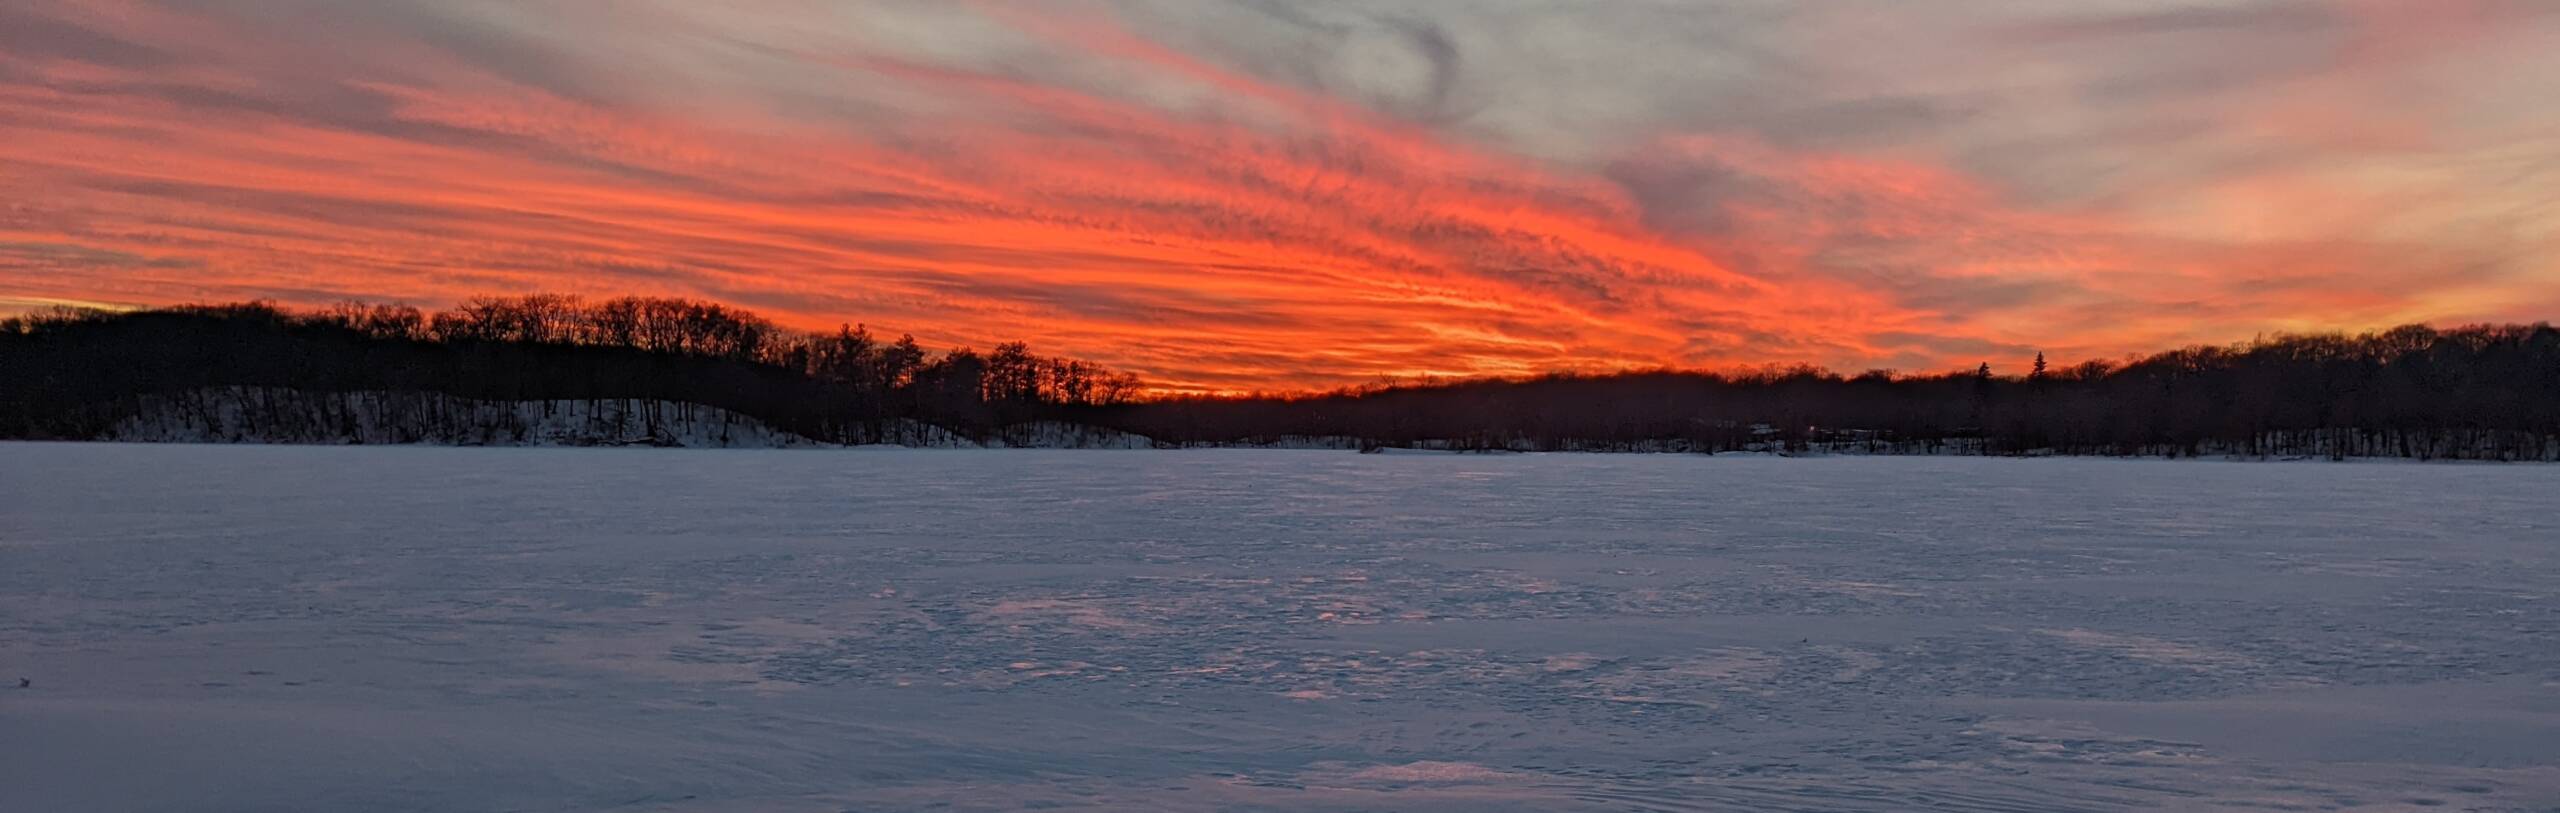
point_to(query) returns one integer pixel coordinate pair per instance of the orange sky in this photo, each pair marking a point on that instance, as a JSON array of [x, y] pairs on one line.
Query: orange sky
[[1227, 196]]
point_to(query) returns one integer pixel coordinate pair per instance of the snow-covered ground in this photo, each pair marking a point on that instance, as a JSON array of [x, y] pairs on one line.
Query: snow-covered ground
[[413, 628]]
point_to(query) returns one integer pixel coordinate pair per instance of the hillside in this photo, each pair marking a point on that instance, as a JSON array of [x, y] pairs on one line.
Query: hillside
[[558, 370]]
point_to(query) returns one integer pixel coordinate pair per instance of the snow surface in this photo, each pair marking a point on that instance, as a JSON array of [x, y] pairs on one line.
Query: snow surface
[[419, 628]]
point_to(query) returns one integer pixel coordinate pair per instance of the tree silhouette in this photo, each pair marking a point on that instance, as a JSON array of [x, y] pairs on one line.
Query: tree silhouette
[[74, 373], [2476, 392]]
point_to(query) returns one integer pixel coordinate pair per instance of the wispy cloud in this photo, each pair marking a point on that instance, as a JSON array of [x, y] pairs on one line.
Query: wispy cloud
[[1230, 195]]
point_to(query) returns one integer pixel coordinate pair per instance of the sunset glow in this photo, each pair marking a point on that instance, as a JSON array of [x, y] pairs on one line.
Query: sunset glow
[[1298, 195]]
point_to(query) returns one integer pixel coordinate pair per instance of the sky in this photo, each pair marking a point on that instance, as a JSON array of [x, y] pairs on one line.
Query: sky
[[1232, 195]]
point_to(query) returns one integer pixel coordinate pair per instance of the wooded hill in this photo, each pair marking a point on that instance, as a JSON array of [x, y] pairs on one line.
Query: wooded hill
[[73, 374], [2487, 392]]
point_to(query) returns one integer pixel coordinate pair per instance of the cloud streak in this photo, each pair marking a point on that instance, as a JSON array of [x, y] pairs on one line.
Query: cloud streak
[[1251, 195]]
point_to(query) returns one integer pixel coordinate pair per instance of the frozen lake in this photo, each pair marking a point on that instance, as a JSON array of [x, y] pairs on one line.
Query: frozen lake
[[326, 629]]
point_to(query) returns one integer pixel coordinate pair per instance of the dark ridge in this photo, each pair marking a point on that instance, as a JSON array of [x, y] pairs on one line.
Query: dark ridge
[[73, 374], [2484, 392]]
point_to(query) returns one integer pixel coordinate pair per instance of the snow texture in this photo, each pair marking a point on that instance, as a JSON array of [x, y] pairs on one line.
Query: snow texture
[[417, 628]]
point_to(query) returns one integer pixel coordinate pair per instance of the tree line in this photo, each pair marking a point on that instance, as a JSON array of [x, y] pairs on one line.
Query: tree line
[[2480, 392], [2476, 392], [72, 373]]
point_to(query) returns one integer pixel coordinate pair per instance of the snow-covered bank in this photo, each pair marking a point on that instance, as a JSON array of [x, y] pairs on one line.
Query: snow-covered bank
[[1062, 435], [265, 415], [285, 416], [270, 415]]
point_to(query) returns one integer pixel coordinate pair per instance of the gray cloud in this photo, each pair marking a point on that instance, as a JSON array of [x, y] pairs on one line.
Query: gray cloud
[[1991, 166]]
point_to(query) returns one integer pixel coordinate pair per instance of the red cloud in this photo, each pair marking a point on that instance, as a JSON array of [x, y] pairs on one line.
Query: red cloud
[[1282, 240]]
